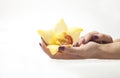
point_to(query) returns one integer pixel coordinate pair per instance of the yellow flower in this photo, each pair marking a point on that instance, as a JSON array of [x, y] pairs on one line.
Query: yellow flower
[[60, 35]]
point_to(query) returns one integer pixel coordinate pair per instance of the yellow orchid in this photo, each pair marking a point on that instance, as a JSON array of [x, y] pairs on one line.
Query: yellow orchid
[[61, 35]]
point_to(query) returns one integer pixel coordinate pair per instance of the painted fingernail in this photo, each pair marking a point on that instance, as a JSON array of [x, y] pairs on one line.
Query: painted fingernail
[[95, 37], [74, 45], [41, 38], [40, 44], [103, 42], [77, 44], [61, 48]]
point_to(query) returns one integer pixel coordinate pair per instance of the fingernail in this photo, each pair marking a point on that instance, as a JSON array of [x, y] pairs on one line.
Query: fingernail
[[41, 38], [95, 37], [61, 48], [40, 44], [74, 45], [103, 42], [77, 44]]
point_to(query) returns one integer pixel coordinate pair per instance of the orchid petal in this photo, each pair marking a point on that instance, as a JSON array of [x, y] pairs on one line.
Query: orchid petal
[[75, 33], [60, 27], [53, 49]]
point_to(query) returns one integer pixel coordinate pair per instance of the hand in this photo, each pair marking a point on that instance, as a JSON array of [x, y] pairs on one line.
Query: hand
[[58, 55], [96, 37], [88, 50], [88, 47]]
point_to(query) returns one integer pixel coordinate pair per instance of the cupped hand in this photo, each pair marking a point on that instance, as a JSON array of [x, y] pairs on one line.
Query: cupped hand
[[59, 54], [88, 50]]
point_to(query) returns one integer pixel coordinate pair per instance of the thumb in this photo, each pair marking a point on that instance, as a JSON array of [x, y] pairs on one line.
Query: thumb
[[70, 50]]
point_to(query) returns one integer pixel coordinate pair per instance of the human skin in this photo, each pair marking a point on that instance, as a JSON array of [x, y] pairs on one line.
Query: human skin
[[92, 45]]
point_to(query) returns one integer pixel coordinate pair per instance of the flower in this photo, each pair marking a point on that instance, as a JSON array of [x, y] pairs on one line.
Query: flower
[[60, 35]]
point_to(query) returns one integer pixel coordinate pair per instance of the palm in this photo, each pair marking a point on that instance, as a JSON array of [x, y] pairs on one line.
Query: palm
[[66, 55], [58, 55]]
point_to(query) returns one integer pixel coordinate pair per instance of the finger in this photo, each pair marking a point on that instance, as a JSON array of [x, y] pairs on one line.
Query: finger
[[104, 39], [84, 39], [59, 55], [43, 41], [80, 41], [92, 36], [98, 40], [70, 50], [76, 44], [88, 38]]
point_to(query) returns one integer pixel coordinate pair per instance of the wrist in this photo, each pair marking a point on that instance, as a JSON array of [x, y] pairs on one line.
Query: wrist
[[109, 51], [102, 52]]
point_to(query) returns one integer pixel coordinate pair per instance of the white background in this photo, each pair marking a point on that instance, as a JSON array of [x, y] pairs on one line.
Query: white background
[[20, 54]]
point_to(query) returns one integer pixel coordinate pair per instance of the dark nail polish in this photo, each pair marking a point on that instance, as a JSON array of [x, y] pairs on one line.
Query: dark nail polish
[[61, 48], [40, 44], [103, 42], [94, 37], [41, 38], [77, 44]]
